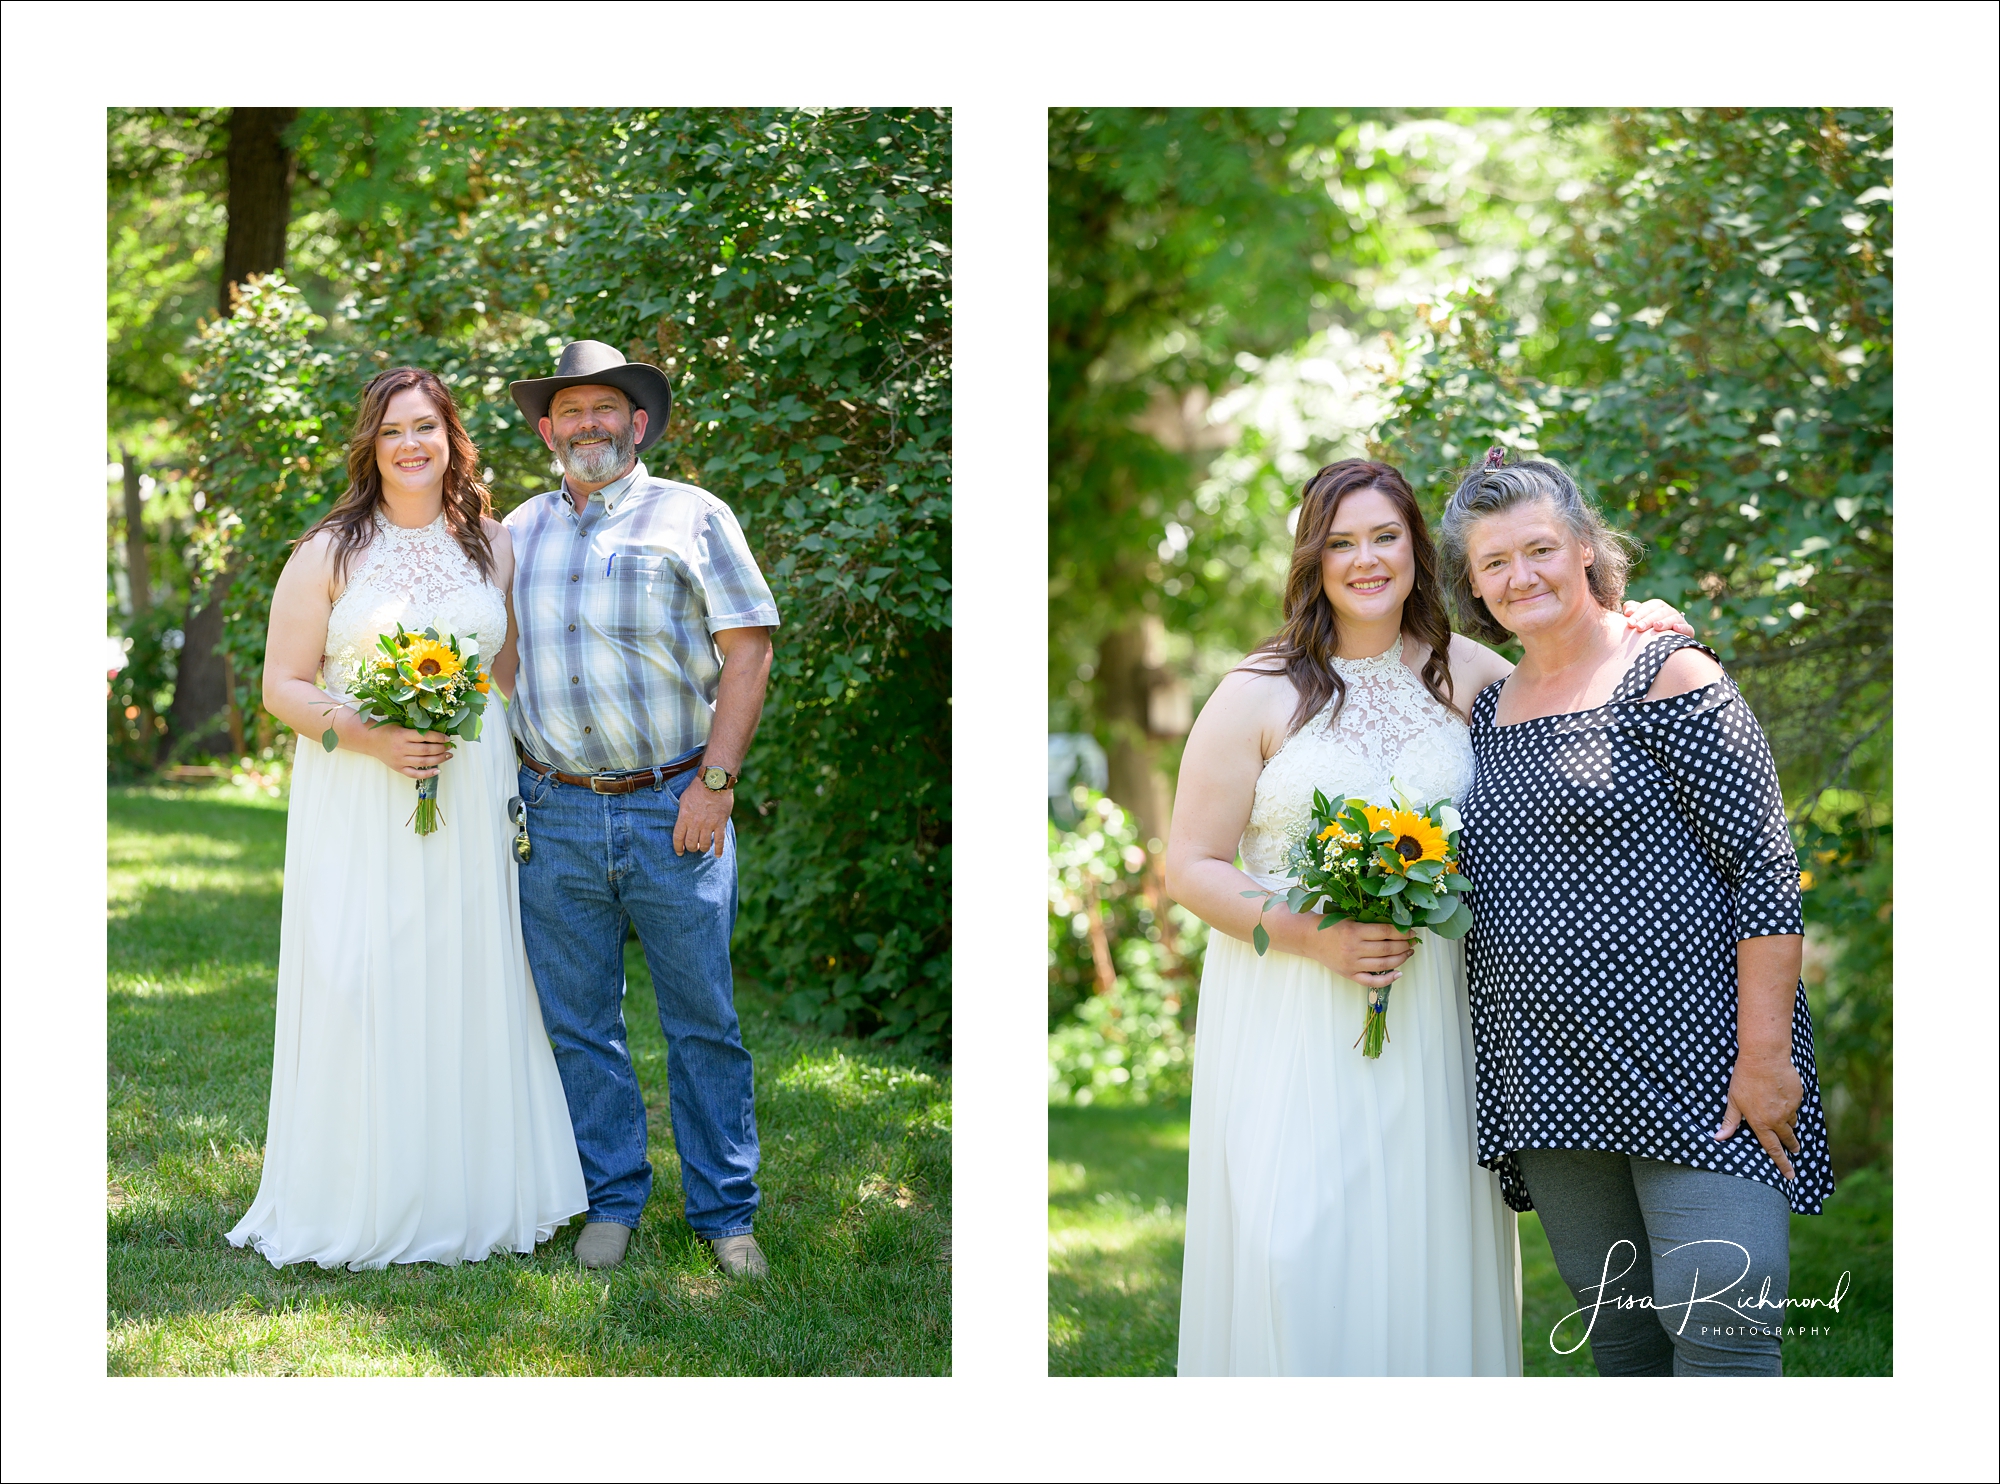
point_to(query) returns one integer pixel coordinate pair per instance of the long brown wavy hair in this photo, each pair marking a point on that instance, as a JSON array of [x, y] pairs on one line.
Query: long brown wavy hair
[[466, 501], [1303, 650]]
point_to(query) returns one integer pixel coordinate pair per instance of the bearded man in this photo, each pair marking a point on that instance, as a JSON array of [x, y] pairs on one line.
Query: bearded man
[[644, 639]]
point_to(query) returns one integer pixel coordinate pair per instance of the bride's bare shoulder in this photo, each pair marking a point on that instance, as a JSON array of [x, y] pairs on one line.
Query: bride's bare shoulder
[[314, 553], [1257, 681], [1254, 700]]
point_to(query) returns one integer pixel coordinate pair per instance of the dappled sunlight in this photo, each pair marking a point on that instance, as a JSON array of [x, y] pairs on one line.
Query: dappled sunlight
[[251, 974], [853, 1082]]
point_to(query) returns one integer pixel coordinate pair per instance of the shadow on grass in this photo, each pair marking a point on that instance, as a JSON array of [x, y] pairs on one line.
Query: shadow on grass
[[856, 1177]]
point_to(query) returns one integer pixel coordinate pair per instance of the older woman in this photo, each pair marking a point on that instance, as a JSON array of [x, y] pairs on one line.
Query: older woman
[[1645, 1061]]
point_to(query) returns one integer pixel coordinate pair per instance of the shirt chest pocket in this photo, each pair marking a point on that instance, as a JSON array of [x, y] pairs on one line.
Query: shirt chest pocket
[[633, 596]]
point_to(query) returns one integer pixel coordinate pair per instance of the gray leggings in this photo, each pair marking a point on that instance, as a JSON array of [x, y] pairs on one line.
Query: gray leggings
[[1677, 1271]]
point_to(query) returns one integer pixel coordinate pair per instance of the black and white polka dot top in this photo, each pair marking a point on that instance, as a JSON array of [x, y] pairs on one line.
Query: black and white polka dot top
[[1617, 856]]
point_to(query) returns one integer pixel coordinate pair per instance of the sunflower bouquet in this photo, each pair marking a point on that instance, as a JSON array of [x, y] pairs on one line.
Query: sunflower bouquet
[[1363, 863], [427, 682]]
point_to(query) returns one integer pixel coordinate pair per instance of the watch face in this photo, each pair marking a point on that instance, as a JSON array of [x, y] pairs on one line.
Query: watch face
[[715, 778]]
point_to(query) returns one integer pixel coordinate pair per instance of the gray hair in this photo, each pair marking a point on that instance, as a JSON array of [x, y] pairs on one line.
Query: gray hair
[[1491, 487]]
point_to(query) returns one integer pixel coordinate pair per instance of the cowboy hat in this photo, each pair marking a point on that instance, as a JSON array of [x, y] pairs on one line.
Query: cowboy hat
[[593, 363]]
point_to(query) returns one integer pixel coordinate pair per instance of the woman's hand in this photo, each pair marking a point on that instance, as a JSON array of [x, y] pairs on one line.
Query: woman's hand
[[412, 753], [1655, 615], [1765, 1092], [1372, 954]]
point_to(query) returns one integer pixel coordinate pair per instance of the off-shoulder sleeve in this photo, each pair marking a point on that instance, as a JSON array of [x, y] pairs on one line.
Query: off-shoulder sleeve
[[1725, 785]]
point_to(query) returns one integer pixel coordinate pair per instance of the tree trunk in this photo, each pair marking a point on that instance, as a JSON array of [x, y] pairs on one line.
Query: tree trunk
[[135, 537], [1142, 704], [260, 195], [200, 716], [260, 212]]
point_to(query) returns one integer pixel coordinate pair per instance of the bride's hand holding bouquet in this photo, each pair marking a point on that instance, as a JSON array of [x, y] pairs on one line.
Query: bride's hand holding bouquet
[[1364, 865], [421, 691]]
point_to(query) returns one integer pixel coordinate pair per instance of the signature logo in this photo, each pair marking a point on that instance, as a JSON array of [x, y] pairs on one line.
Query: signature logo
[[1725, 1296]]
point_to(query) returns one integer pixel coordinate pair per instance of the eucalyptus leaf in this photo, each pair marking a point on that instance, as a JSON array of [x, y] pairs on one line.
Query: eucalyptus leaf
[[1260, 939], [329, 739]]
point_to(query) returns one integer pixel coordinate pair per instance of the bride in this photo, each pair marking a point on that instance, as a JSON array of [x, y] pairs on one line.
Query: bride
[[1338, 1221], [415, 1114]]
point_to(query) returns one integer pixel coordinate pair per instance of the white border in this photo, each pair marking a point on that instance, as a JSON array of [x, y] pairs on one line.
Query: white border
[[998, 66]]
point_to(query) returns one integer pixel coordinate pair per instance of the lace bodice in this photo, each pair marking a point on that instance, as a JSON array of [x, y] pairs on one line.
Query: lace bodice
[[419, 578], [1391, 735]]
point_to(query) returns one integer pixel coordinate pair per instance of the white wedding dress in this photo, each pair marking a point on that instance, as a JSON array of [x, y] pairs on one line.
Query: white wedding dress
[[1337, 1221], [416, 1115]]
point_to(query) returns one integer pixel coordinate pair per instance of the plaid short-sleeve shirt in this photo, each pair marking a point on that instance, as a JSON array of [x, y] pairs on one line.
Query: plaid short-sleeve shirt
[[615, 609]]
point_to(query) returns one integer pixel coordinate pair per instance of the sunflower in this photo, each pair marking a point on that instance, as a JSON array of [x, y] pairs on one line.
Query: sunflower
[[1416, 838], [430, 658]]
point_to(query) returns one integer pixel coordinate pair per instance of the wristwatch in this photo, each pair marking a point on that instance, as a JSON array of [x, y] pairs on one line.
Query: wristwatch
[[717, 779]]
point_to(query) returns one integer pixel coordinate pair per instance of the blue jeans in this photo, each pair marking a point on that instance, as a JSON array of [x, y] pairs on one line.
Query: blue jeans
[[597, 863]]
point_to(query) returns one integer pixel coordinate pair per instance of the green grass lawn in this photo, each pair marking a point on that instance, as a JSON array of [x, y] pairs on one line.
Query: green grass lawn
[[1118, 1211], [856, 1174]]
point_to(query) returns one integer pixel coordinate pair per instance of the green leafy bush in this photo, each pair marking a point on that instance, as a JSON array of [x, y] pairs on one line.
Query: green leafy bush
[[1122, 973], [790, 272], [1712, 354]]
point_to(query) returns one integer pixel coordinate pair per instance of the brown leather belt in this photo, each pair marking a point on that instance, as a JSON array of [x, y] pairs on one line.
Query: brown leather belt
[[610, 783]]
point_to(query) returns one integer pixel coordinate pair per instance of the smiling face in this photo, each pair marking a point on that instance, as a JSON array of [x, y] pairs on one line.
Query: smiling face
[[594, 432], [412, 448], [1529, 570], [1367, 565]]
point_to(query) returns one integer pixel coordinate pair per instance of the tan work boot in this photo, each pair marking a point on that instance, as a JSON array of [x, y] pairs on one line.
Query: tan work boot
[[740, 1256], [602, 1244]]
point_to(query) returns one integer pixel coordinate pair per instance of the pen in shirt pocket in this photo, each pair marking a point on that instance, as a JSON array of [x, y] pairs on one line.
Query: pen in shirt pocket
[[608, 561]]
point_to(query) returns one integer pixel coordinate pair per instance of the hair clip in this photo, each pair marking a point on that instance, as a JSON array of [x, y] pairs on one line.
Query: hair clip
[[1496, 457]]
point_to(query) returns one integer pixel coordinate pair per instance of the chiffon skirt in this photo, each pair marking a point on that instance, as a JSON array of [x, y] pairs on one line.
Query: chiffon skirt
[[416, 1115], [1337, 1223]]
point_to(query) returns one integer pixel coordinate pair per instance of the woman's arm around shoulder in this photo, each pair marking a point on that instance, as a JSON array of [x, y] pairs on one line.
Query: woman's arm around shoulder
[[1473, 668]]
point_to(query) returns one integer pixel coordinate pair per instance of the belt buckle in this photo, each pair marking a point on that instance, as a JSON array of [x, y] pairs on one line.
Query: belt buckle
[[597, 779]]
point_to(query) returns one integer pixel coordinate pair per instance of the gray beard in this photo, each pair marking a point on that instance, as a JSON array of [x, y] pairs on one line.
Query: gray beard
[[599, 464]]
